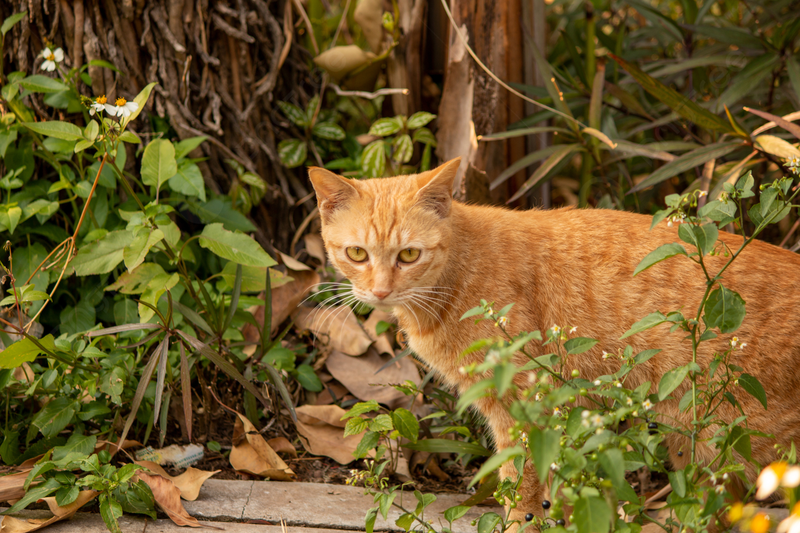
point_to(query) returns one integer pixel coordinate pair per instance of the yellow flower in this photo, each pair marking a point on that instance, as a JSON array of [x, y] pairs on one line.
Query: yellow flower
[[791, 524], [760, 523], [736, 512]]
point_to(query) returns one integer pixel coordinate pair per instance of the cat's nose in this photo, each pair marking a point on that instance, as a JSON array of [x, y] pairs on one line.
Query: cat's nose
[[380, 294]]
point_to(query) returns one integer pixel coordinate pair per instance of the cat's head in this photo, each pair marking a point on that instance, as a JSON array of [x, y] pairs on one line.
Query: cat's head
[[390, 237]]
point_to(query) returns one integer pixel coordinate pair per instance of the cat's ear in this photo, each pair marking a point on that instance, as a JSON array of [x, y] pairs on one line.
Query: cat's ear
[[436, 186], [333, 191]]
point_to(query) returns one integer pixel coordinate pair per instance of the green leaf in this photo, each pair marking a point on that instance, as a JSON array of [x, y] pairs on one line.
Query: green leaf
[[55, 416], [9, 22], [753, 387], [110, 510], [235, 247], [381, 423], [140, 99], [308, 378], [292, 152], [328, 131], [158, 163], [729, 35], [368, 442], [189, 181], [135, 253], [544, 446], [675, 100], [447, 446], [355, 426], [77, 319], [702, 237], [678, 481], [488, 522], [386, 126], [42, 84], [579, 345], [38, 492], [664, 251], [102, 256], [671, 380], [220, 210], [454, 513], [592, 515], [494, 462], [419, 119], [373, 159], [24, 351], [406, 424], [369, 520], [361, 408], [184, 147], [293, 113], [402, 148], [424, 136], [646, 355], [688, 161], [77, 443], [724, 309], [650, 321], [57, 129]]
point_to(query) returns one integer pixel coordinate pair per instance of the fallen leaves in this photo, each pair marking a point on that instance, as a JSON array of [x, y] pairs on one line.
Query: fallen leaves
[[285, 299], [362, 377], [11, 486], [168, 498], [253, 455], [188, 483], [323, 432], [336, 326], [9, 524]]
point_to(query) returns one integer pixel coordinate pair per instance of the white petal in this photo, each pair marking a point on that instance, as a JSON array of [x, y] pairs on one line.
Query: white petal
[[49, 66], [795, 525], [791, 478], [124, 111], [46, 52], [59, 53], [767, 483], [92, 111], [111, 109]]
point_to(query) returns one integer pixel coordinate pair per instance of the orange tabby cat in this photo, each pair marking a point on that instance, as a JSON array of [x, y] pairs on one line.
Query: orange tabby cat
[[407, 247]]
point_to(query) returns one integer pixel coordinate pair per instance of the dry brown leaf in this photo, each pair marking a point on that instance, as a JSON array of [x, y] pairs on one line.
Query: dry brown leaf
[[168, 498], [285, 299], [337, 327], [324, 432], [9, 524], [11, 486], [292, 263], [253, 455], [369, 16], [340, 60], [360, 378], [333, 392], [315, 247], [282, 445], [382, 342], [188, 482]]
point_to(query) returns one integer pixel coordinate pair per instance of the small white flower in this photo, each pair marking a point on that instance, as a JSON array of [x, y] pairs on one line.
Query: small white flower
[[554, 467], [606, 355], [734, 341], [555, 329], [99, 105], [532, 377], [720, 489], [122, 108], [502, 321], [523, 437], [741, 346], [51, 58], [669, 222], [629, 401], [703, 193], [647, 404], [462, 370], [617, 384], [586, 414], [573, 329], [725, 476], [556, 411], [597, 420], [539, 396]]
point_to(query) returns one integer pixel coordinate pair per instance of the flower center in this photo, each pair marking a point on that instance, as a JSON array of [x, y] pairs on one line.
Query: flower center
[[101, 99], [50, 57], [121, 102]]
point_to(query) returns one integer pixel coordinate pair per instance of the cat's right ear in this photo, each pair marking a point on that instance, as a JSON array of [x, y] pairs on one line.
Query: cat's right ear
[[333, 191]]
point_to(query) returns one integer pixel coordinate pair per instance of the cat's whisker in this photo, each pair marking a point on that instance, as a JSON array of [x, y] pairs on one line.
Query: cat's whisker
[[343, 298], [411, 310], [338, 286], [425, 307], [431, 300]]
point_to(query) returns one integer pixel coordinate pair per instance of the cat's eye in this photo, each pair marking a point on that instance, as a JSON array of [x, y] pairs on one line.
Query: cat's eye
[[356, 254], [409, 255]]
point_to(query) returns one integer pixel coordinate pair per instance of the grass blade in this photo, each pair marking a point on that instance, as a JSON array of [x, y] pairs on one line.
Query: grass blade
[[688, 161], [186, 391], [161, 353], [147, 373]]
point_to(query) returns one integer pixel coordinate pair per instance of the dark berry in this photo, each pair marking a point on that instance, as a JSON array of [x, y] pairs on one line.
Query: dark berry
[[529, 517], [545, 504], [560, 522], [652, 425], [680, 454]]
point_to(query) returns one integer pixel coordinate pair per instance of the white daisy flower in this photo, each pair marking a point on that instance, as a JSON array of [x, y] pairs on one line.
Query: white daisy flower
[[741, 346], [647, 404], [573, 329], [51, 58], [597, 382], [777, 475], [502, 321], [703, 193], [556, 329], [98, 105], [629, 401], [734, 341], [122, 108]]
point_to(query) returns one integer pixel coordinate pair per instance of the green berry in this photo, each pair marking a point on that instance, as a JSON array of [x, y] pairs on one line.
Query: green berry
[[583, 392], [518, 497], [572, 399], [576, 373]]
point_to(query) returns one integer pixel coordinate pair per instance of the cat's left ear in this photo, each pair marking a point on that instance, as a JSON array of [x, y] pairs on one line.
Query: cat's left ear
[[436, 186], [333, 191]]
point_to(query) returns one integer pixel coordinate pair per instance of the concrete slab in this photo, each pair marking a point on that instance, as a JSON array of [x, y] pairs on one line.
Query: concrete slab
[[316, 505]]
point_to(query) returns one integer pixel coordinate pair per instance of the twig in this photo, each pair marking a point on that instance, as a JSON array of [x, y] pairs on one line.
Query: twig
[[309, 27], [368, 96], [160, 19], [230, 30]]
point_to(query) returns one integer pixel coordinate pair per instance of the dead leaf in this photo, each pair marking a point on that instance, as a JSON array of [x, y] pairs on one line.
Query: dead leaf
[[11, 486], [188, 482], [324, 432], [369, 15], [333, 392], [777, 146], [315, 247], [337, 327], [292, 263], [282, 445], [285, 299], [9, 524], [360, 378], [253, 455], [340, 60], [382, 342], [168, 498]]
